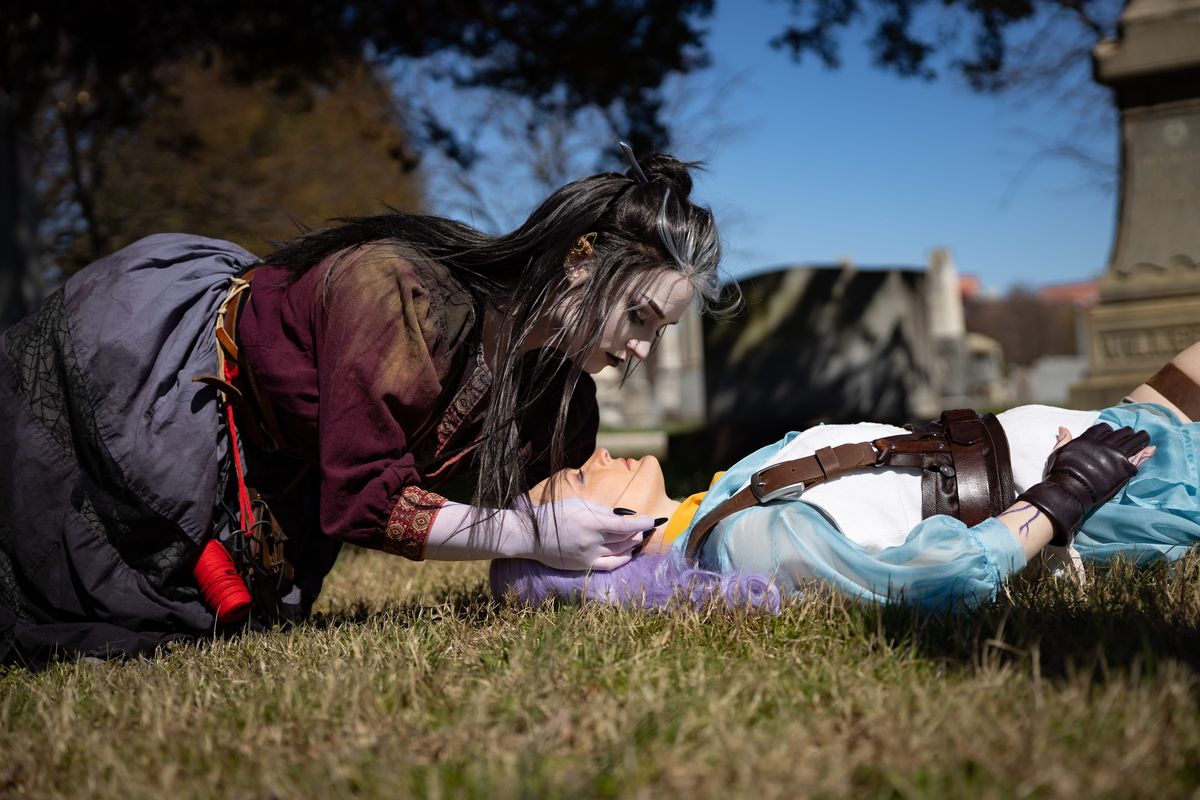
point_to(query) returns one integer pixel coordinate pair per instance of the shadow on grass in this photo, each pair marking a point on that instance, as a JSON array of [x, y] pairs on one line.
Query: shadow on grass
[[470, 605], [1126, 618]]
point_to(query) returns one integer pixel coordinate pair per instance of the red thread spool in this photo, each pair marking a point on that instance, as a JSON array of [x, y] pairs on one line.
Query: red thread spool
[[222, 587]]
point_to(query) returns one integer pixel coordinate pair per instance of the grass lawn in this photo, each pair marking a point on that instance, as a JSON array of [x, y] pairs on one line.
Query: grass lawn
[[409, 682]]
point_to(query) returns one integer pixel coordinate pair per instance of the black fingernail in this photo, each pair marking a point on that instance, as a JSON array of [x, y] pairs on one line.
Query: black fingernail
[[648, 533], [660, 521], [623, 512]]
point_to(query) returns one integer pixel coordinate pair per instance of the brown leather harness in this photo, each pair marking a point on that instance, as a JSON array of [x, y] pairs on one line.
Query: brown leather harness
[[966, 471], [260, 424], [258, 547]]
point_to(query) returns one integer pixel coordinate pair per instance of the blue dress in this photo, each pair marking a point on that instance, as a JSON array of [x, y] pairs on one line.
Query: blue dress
[[944, 563]]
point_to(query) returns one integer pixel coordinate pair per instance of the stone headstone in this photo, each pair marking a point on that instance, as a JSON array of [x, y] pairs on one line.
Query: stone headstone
[[816, 344], [1149, 305], [947, 329]]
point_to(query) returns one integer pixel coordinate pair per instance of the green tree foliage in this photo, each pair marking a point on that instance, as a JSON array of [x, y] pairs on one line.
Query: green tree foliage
[[103, 64], [106, 58], [209, 155], [613, 54]]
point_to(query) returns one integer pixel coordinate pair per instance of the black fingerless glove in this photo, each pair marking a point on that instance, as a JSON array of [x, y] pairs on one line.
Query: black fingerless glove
[[1082, 474]]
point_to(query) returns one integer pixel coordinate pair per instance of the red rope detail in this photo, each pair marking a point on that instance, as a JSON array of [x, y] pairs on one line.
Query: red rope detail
[[219, 582], [247, 511], [223, 588]]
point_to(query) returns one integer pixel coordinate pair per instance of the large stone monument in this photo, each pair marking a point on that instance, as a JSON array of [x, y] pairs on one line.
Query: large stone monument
[[1149, 305], [832, 344], [947, 329]]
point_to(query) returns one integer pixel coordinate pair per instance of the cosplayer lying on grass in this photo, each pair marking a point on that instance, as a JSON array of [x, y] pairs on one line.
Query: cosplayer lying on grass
[[1081, 475]]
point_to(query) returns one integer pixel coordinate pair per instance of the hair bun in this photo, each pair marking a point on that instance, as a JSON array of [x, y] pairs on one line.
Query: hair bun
[[665, 169]]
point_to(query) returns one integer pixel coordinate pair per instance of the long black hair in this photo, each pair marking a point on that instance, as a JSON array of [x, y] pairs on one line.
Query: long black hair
[[643, 220]]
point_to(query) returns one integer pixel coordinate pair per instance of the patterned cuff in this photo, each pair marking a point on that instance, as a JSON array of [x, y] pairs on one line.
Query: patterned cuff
[[408, 526]]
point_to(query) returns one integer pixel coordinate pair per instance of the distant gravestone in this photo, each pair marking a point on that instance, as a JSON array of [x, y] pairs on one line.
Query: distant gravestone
[[816, 344], [1149, 305]]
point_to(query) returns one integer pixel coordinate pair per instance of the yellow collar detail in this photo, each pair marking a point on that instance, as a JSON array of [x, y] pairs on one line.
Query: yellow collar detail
[[686, 512]]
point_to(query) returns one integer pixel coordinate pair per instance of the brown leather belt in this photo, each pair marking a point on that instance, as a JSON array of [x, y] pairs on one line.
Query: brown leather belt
[[259, 553], [254, 410], [964, 458], [785, 481]]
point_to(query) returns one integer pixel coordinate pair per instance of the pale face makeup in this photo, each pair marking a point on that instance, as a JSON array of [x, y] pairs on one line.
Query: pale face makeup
[[615, 482], [631, 328]]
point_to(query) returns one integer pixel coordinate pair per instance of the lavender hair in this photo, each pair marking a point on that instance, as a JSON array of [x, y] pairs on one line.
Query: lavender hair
[[652, 581]]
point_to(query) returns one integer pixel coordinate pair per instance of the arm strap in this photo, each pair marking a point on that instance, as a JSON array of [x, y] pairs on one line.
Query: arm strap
[[1175, 385]]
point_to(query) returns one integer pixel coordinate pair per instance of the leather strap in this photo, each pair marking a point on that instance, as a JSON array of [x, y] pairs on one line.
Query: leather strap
[[800, 474], [1182, 390], [265, 417], [964, 458], [1004, 488], [965, 462], [968, 454], [739, 501], [259, 421]]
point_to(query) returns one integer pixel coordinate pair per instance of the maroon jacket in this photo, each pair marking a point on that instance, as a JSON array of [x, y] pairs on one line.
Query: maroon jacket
[[373, 362]]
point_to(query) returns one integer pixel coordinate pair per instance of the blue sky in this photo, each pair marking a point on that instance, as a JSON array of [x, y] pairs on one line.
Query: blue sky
[[809, 165], [859, 163]]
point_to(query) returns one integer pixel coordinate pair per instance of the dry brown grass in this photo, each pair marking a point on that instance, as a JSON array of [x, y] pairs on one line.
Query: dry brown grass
[[410, 683]]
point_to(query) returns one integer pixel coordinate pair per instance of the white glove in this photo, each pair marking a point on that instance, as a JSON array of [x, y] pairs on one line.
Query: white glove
[[575, 534]]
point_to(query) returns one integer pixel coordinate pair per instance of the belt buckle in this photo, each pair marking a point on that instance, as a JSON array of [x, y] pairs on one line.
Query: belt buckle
[[758, 484]]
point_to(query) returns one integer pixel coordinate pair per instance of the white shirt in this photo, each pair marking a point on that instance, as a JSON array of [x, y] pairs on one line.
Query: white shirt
[[877, 508]]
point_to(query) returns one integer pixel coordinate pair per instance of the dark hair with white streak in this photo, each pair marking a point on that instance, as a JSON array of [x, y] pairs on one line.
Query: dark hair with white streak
[[644, 221]]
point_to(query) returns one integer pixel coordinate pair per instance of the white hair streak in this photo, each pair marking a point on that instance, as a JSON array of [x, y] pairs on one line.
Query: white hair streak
[[683, 250]]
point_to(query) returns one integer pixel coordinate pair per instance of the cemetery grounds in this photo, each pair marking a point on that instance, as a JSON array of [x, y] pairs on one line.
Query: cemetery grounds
[[409, 682]]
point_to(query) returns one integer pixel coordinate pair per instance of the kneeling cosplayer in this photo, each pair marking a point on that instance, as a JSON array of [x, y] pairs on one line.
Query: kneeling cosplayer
[[938, 515]]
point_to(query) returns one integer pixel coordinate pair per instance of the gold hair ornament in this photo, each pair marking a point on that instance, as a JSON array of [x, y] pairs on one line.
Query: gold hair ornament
[[584, 248]]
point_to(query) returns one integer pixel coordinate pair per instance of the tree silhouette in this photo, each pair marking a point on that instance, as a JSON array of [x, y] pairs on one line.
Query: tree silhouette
[[103, 60], [96, 67], [978, 39], [237, 161]]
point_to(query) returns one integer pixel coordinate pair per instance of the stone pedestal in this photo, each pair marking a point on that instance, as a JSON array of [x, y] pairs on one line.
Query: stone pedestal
[[1129, 341], [1150, 293]]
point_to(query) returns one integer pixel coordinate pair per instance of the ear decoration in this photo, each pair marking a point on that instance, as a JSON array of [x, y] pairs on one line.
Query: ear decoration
[[581, 251]]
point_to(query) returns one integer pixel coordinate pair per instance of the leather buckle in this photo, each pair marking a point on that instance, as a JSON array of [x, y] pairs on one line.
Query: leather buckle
[[758, 486]]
